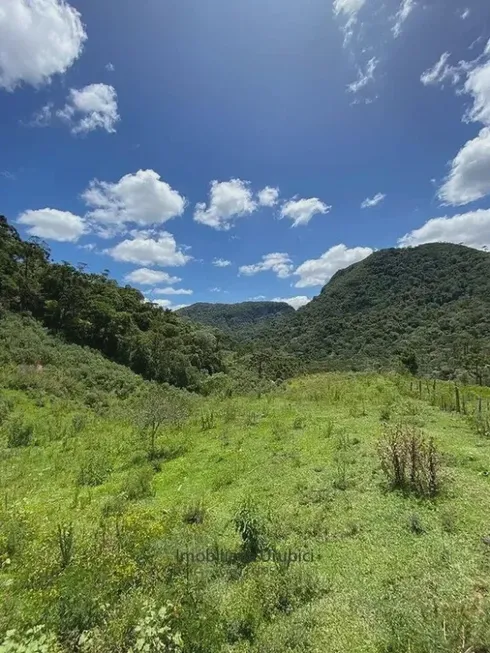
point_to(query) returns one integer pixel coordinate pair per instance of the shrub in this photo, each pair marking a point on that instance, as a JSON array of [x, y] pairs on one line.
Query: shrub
[[19, 434], [94, 470], [138, 484], [409, 462], [207, 421], [155, 631], [195, 514], [252, 529], [6, 407], [34, 640], [65, 544], [416, 525]]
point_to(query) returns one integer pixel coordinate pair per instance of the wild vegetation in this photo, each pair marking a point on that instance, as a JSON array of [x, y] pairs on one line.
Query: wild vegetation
[[427, 306], [207, 504], [136, 516], [94, 311], [243, 321]]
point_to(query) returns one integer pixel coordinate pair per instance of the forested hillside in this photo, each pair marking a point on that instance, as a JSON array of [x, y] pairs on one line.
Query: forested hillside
[[94, 311], [243, 320], [428, 305]]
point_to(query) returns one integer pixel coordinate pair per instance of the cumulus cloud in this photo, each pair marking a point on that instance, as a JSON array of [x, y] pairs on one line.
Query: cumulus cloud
[[147, 277], [172, 291], [228, 200], [142, 198], [110, 67], [471, 229], [316, 272], [144, 250], [221, 263], [478, 86], [364, 77], [369, 202], [38, 39], [469, 178], [279, 263], [295, 302], [406, 8], [300, 211], [469, 175], [268, 196], [89, 108], [62, 226]]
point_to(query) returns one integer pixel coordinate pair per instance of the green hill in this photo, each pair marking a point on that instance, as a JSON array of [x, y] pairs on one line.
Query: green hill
[[93, 310], [432, 300], [243, 320]]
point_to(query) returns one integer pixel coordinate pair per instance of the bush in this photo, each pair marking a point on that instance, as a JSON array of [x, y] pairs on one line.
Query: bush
[[155, 631], [19, 434], [409, 462], [35, 640], [138, 484], [94, 470], [252, 529]]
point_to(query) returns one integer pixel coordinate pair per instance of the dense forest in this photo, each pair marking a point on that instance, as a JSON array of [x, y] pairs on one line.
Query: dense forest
[[94, 311], [425, 309], [429, 305], [243, 320]]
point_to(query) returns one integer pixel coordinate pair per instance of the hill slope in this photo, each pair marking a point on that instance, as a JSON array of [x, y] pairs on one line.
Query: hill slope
[[243, 320], [433, 299], [93, 310]]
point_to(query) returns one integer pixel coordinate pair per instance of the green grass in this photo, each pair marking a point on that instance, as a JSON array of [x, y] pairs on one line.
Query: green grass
[[391, 572]]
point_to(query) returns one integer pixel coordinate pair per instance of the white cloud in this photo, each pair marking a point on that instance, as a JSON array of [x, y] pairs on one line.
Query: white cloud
[[142, 198], [364, 77], [41, 118], [373, 201], [166, 304], [215, 290], [471, 229], [62, 226], [316, 272], [146, 277], [227, 200], [301, 211], [268, 196], [406, 8], [295, 302], [144, 250], [440, 72], [172, 291], [258, 298], [89, 108], [38, 39], [110, 67], [221, 263], [465, 13], [478, 86], [276, 262], [469, 178], [6, 174], [349, 8]]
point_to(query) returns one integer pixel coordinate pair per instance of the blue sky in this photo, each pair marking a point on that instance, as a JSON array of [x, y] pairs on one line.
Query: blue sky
[[289, 139]]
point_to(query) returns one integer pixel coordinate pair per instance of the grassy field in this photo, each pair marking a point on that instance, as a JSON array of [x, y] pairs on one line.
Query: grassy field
[[104, 548]]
